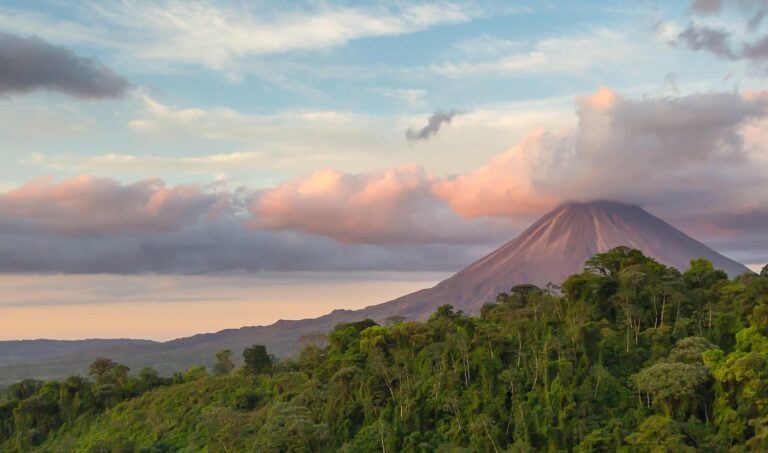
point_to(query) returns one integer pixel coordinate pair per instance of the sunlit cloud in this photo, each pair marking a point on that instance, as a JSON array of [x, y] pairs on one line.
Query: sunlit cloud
[[614, 152]]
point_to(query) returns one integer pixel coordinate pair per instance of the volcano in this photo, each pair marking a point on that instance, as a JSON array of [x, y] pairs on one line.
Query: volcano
[[557, 246], [550, 250]]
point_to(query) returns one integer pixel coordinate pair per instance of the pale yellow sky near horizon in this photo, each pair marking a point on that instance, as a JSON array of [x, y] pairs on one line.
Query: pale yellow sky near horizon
[[166, 307], [163, 307]]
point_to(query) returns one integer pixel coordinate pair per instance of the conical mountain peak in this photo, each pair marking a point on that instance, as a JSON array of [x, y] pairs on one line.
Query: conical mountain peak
[[558, 245]]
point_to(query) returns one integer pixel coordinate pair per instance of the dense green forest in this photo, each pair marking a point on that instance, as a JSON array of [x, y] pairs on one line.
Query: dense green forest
[[629, 355]]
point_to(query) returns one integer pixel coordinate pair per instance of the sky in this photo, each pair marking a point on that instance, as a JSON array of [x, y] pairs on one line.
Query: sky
[[174, 167]]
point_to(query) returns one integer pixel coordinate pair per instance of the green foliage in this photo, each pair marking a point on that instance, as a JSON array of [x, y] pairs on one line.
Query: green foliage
[[246, 400], [224, 364], [633, 356], [256, 359]]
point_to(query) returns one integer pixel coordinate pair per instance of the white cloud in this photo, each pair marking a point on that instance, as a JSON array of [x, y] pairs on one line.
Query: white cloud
[[573, 55], [488, 46], [412, 96], [106, 163], [217, 36], [301, 142]]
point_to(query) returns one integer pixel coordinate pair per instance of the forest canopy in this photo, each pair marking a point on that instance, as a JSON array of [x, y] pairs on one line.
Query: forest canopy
[[628, 355]]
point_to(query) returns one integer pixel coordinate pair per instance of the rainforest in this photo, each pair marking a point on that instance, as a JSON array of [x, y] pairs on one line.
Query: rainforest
[[629, 355]]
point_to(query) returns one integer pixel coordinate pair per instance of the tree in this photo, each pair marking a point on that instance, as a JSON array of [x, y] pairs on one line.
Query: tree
[[609, 264], [702, 274], [224, 363], [148, 379], [111, 378], [444, 311], [257, 360], [290, 428], [659, 434], [524, 292], [107, 371]]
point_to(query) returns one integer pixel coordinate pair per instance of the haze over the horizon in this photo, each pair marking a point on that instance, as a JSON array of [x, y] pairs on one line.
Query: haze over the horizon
[[157, 152]]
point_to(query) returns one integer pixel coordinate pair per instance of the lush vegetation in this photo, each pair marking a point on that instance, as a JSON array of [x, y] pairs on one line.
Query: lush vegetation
[[628, 355]]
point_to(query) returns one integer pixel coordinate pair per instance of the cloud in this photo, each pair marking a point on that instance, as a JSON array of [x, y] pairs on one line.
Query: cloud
[[706, 6], [294, 128], [413, 97], [98, 225], [204, 164], [717, 40], [285, 144], [30, 64], [757, 50], [86, 205], [712, 40], [636, 150], [221, 36], [575, 54], [387, 207], [434, 123], [716, 6], [683, 157], [216, 247], [665, 152]]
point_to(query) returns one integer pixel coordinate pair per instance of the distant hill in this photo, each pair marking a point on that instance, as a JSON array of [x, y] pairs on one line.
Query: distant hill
[[554, 247], [26, 350]]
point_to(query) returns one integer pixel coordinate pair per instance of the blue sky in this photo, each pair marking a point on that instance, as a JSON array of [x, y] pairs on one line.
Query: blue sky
[[216, 138], [385, 68]]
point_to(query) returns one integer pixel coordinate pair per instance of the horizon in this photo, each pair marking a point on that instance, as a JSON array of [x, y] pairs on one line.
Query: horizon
[[173, 168]]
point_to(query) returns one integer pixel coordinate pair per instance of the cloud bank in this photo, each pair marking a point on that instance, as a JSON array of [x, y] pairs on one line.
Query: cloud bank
[[30, 64], [679, 156]]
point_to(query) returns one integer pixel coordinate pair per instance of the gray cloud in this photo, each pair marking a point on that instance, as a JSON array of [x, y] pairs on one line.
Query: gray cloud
[[717, 41], [706, 6], [29, 64], [756, 20], [715, 6], [709, 39], [97, 225], [757, 50], [433, 126], [221, 247]]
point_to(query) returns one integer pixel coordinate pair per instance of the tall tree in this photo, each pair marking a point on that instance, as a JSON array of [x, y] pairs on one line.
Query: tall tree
[[257, 360], [224, 363]]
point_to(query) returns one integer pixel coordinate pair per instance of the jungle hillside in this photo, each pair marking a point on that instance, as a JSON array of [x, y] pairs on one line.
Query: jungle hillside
[[629, 355]]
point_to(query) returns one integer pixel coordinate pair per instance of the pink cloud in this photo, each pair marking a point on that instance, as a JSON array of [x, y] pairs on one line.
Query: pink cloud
[[390, 206], [647, 151], [674, 155], [89, 205], [635, 150], [506, 185]]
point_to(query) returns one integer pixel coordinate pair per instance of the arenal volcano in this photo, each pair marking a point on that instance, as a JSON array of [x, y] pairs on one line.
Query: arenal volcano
[[558, 245], [551, 249]]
